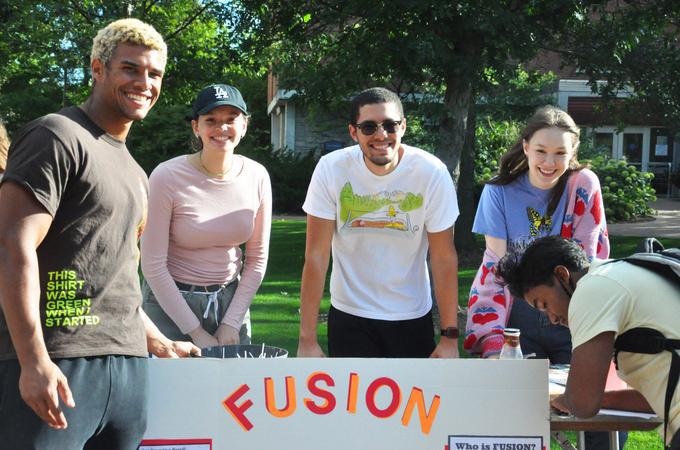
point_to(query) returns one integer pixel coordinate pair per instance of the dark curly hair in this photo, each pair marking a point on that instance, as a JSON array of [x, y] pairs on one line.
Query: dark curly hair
[[372, 96], [536, 265]]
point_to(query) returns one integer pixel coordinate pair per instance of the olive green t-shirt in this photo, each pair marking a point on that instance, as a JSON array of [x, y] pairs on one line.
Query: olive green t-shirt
[[96, 193]]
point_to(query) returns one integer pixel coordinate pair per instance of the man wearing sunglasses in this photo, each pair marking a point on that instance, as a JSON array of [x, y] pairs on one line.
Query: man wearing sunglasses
[[378, 207], [601, 302]]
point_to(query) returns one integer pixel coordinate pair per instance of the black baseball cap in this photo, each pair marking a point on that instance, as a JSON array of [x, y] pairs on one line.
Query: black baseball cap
[[218, 95]]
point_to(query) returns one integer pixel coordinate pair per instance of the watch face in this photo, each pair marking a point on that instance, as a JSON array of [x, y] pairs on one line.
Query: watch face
[[450, 332]]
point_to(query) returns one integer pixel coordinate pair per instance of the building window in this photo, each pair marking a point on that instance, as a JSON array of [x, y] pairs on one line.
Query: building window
[[604, 144], [632, 148]]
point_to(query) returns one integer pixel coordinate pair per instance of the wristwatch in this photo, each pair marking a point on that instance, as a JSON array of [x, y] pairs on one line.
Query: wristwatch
[[449, 332]]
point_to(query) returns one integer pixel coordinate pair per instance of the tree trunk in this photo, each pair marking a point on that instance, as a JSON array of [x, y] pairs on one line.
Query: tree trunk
[[456, 138], [453, 123], [465, 240]]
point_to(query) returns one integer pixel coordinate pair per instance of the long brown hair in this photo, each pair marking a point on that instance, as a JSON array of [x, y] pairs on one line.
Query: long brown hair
[[514, 162]]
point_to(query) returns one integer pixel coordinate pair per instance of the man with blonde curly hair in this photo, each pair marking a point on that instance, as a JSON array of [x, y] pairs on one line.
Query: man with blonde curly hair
[[72, 206]]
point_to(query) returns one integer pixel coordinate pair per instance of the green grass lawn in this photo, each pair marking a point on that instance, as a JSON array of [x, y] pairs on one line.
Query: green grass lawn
[[275, 311]]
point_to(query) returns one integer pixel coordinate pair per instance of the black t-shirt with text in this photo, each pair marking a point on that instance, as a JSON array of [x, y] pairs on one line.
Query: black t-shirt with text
[[96, 193]]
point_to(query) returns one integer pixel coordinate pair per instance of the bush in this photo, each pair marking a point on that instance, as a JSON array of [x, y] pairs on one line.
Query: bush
[[290, 173], [162, 135], [493, 139], [626, 191]]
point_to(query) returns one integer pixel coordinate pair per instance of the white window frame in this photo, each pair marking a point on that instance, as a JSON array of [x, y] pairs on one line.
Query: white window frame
[[617, 142]]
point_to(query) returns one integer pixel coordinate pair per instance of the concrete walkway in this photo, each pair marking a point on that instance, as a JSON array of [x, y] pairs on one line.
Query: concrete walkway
[[665, 224]]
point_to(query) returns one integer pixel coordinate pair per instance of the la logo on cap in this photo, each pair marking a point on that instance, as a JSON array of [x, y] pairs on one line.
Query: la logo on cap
[[221, 93]]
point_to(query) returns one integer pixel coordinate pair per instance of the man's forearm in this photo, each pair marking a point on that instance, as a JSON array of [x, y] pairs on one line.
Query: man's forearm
[[20, 299], [445, 277], [311, 291], [153, 334], [625, 399]]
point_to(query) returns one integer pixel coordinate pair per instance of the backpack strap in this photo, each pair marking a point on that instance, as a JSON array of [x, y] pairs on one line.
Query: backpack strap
[[673, 376], [649, 245], [651, 342]]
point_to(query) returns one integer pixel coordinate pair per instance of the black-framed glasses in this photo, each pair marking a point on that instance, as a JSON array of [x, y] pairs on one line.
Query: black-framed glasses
[[369, 127]]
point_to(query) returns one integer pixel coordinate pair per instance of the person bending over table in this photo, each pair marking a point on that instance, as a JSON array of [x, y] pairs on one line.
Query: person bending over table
[[600, 301]]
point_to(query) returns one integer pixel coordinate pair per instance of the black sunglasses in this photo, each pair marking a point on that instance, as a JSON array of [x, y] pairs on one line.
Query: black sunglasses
[[369, 127]]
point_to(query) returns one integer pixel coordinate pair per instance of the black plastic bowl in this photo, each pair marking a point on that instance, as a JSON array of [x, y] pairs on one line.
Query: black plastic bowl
[[244, 351]]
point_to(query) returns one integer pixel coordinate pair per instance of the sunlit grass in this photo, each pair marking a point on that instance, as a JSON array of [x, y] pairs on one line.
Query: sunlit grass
[[637, 440]]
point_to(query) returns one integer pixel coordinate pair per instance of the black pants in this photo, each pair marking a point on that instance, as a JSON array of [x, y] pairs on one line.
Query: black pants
[[353, 336], [675, 442], [110, 392]]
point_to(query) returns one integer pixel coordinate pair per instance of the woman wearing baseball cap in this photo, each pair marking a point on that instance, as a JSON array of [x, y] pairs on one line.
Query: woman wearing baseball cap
[[202, 207]]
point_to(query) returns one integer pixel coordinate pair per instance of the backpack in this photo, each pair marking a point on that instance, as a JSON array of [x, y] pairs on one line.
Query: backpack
[[665, 262]]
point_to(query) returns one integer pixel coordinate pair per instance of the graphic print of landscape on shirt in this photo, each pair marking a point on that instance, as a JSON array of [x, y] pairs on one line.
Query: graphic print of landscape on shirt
[[383, 210]]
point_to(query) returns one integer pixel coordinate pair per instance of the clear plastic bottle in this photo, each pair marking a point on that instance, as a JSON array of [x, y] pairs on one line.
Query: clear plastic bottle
[[511, 348]]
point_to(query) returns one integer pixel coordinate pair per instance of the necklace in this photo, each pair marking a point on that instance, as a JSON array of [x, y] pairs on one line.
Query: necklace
[[208, 172]]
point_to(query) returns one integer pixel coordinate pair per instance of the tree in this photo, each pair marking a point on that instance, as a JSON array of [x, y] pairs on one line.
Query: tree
[[45, 57], [632, 47], [449, 51]]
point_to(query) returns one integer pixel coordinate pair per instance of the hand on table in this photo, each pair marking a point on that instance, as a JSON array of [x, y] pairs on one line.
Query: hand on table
[[165, 348], [447, 348], [227, 335], [41, 386], [183, 349], [310, 350]]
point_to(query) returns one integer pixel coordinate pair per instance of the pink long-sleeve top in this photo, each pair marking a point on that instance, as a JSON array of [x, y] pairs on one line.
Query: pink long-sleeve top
[[195, 227]]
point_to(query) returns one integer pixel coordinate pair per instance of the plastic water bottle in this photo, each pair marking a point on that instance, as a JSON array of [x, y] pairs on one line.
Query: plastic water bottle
[[511, 348]]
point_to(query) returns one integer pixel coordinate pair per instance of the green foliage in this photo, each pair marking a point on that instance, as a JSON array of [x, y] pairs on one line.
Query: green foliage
[[618, 44], [518, 95], [626, 191], [45, 52], [493, 139], [452, 49], [588, 148], [290, 173], [162, 135], [420, 131]]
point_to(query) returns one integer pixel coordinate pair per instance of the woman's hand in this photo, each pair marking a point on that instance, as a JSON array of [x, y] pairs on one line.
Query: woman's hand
[[227, 335], [174, 349], [202, 338]]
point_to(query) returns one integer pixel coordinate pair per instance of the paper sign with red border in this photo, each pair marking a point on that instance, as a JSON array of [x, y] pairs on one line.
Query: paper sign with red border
[[463, 442], [176, 444]]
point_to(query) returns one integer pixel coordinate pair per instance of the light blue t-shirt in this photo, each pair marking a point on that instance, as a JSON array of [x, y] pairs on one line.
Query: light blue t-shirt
[[516, 212]]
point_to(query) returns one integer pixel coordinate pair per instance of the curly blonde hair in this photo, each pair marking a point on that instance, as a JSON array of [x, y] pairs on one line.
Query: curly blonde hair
[[4, 146], [132, 31]]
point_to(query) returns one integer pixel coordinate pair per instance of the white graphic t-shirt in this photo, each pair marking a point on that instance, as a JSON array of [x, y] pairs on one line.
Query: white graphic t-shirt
[[380, 241]]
